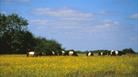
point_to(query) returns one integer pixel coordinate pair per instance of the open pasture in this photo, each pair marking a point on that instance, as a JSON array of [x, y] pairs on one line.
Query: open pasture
[[68, 66]]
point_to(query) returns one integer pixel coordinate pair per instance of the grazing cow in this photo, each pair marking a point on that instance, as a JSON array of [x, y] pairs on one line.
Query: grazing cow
[[89, 54], [70, 53], [112, 53], [50, 53], [119, 53], [63, 52], [102, 53], [32, 54], [116, 53], [53, 53]]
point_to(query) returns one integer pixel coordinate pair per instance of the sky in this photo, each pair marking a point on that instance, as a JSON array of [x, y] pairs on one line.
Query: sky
[[80, 24]]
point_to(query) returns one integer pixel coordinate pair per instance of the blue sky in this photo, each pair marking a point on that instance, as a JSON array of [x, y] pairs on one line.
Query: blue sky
[[80, 24]]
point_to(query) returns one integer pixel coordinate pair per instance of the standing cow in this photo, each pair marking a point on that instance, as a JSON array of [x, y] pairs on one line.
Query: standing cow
[[102, 53], [70, 53], [62, 53], [89, 54], [32, 54], [116, 53], [112, 53]]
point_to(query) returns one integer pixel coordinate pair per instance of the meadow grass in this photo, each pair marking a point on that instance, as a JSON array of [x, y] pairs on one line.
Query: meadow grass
[[68, 66]]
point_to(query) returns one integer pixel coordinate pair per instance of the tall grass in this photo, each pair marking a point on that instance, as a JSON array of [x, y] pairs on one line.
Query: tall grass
[[68, 66]]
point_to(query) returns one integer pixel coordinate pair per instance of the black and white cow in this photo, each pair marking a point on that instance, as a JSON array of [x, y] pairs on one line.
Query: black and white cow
[[63, 53], [89, 54], [116, 53], [53, 53], [102, 53], [112, 53], [32, 54], [36, 54], [50, 53], [70, 53]]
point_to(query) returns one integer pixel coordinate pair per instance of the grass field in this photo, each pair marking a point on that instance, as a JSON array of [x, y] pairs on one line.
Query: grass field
[[67, 66]]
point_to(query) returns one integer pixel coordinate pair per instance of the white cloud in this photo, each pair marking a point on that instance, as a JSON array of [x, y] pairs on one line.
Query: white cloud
[[109, 24], [16, 1], [106, 13], [134, 16], [102, 26], [89, 27], [63, 18], [75, 23], [63, 12], [39, 22], [70, 18]]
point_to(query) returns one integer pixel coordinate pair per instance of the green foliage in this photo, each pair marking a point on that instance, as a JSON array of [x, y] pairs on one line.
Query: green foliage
[[12, 23], [97, 51], [22, 41], [15, 38], [47, 46], [12, 28], [80, 52], [124, 51], [128, 51]]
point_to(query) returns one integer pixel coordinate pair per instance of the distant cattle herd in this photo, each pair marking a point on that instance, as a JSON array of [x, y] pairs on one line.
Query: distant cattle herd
[[109, 53], [73, 53], [62, 53]]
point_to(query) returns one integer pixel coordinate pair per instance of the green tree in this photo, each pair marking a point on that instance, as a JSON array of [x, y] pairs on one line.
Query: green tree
[[128, 50], [15, 38], [23, 41], [11, 28], [47, 46]]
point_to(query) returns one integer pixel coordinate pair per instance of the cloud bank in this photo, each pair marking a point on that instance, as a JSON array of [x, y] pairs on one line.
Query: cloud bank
[[134, 16]]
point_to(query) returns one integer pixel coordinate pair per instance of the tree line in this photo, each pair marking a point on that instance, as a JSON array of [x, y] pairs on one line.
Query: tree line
[[123, 51], [15, 38]]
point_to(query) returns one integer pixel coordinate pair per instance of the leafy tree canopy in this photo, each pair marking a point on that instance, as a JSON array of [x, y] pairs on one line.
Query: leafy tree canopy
[[15, 38]]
